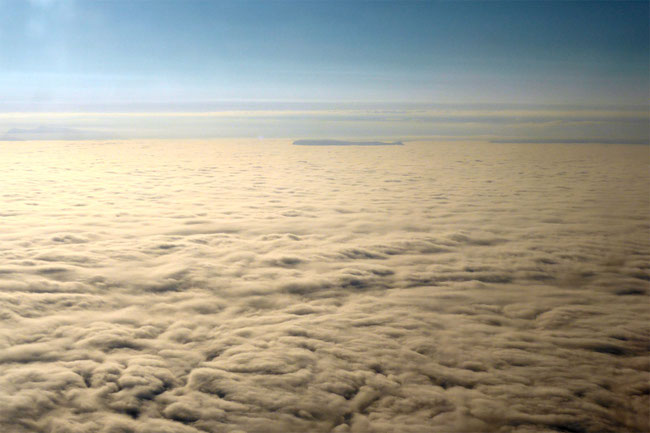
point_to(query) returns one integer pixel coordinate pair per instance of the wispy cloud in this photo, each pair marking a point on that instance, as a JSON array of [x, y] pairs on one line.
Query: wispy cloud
[[524, 123]]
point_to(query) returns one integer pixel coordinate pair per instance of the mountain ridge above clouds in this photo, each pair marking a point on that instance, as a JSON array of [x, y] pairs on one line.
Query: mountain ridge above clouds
[[44, 132], [345, 143]]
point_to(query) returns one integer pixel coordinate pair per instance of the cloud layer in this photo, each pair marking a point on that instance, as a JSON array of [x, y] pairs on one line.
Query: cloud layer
[[540, 124], [238, 286]]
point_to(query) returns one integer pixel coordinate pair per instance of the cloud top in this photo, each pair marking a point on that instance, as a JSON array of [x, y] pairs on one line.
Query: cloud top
[[256, 286]]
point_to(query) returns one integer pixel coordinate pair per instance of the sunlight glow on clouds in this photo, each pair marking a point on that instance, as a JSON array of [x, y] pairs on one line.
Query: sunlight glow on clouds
[[155, 286], [254, 216]]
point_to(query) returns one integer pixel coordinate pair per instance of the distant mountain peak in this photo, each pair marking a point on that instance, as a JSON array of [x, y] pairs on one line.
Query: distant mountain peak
[[345, 143]]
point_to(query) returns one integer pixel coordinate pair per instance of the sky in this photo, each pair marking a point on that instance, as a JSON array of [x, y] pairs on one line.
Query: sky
[[198, 56], [171, 262]]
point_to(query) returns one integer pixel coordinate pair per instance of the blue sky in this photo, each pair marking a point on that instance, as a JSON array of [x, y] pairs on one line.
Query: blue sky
[[191, 56], [432, 52]]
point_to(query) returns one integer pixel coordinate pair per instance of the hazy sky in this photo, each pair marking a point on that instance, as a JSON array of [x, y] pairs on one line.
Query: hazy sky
[[87, 55]]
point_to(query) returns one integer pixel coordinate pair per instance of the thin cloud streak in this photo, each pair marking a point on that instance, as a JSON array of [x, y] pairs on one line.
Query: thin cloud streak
[[526, 124]]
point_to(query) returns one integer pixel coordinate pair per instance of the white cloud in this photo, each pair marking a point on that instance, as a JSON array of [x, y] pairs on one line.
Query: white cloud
[[239, 285]]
